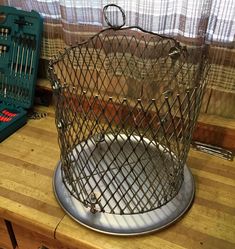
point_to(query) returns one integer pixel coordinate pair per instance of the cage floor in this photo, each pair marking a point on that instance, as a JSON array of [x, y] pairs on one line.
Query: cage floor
[[118, 186]]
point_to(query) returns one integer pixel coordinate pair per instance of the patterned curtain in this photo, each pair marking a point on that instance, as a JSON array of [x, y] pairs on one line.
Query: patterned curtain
[[190, 21]]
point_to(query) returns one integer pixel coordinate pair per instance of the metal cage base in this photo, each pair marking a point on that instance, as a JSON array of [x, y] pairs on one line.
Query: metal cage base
[[127, 224]]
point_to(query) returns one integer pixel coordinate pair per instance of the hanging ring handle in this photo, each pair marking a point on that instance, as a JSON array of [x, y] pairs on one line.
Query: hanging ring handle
[[108, 21]]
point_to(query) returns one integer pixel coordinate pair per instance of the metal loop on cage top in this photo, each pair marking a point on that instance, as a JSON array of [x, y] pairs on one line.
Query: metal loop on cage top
[[114, 16]]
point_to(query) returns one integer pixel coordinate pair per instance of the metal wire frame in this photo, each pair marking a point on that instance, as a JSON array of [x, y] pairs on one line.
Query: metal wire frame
[[123, 150]]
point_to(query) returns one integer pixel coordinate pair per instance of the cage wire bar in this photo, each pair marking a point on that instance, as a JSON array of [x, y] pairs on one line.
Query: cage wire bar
[[127, 101]]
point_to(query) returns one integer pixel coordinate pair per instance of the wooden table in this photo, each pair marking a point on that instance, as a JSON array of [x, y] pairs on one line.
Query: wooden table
[[34, 218]]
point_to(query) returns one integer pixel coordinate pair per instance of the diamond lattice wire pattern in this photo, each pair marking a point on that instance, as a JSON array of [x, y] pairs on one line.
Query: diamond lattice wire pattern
[[126, 105]]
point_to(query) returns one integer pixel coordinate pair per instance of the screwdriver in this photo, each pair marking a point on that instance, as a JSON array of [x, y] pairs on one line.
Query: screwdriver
[[18, 51], [22, 57], [33, 46], [27, 41], [13, 53]]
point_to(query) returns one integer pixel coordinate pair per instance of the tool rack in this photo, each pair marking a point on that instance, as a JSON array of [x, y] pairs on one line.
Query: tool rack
[[20, 39]]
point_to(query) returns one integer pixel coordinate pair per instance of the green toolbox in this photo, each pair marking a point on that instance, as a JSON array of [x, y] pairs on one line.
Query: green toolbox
[[20, 40]]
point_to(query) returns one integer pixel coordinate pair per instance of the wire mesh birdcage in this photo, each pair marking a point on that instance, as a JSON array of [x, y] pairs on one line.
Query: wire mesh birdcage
[[127, 101]]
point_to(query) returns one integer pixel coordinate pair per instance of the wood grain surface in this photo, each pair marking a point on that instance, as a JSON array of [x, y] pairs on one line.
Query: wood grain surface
[[27, 239], [5, 241], [27, 162], [215, 130]]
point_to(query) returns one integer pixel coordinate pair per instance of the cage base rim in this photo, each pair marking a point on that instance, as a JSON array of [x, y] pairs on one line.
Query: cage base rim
[[126, 225]]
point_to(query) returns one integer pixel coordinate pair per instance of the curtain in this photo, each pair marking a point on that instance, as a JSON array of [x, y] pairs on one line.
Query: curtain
[[70, 21], [221, 37], [190, 21]]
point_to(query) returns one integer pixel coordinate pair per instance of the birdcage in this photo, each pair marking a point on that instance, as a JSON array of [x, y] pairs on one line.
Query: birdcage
[[127, 101]]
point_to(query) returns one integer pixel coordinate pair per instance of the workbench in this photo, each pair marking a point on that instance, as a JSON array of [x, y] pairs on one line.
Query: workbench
[[31, 218]]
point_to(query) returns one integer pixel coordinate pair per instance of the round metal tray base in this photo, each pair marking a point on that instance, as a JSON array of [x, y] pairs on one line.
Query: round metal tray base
[[126, 224]]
